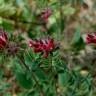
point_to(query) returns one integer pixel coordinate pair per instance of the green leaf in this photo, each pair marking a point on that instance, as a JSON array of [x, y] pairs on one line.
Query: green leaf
[[7, 25], [76, 36], [24, 80], [63, 78], [25, 14], [27, 58], [31, 34], [62, 25], [77, 41], [68, 10], [30, 60], [53, 28], [40, 74], [34, 65]]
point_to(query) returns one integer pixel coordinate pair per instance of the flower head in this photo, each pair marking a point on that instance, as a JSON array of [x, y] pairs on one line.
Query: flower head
[[3, 39], [43, 45], [91, 38], [45, 14]]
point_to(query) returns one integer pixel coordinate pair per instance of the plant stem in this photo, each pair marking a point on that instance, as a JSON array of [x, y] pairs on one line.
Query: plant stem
[[61, 17], [33, 75], [23, 63], [37, 83]]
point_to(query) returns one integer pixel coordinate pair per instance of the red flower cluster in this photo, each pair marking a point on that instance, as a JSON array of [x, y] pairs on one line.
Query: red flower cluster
[[46, 14], [3, 39], [91, 38], [43, 45]]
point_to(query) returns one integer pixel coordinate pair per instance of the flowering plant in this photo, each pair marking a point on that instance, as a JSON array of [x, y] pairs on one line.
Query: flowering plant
[[36, 56], [3, 39], [91, 38]]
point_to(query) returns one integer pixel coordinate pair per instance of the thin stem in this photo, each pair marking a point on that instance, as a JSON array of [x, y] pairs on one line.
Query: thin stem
[[23, 63], [13, 21], [37, 83]]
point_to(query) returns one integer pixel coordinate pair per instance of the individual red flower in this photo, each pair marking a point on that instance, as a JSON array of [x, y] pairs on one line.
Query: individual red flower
[[45, 14], [3, 39], [91, 38], [43, 45]]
